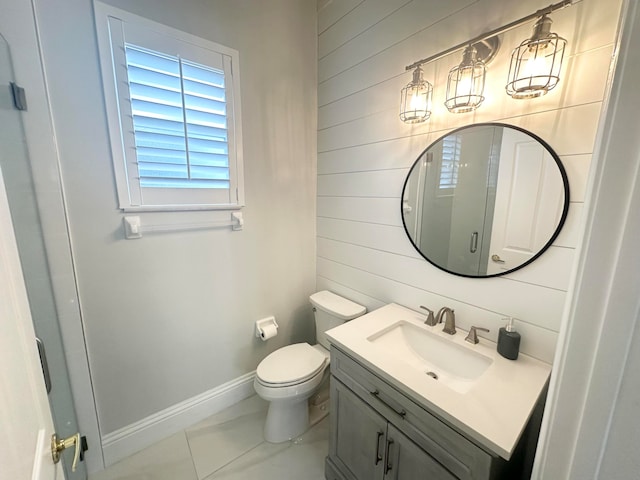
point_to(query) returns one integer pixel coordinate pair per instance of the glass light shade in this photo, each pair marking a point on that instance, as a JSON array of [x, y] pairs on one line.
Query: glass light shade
[[415, 99], [465, 85], [536, 62]]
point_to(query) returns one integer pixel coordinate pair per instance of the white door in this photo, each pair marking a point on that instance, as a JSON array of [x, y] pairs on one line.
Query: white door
[[529, 202], [25, 418]]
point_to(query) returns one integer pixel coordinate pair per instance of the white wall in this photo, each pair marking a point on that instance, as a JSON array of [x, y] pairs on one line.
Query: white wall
[[589, 429], [171, 315], [619, 459], [365, 151]]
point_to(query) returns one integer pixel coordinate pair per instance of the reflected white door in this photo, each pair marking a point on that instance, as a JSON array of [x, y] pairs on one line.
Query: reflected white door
[[529, 202], [25, 418]]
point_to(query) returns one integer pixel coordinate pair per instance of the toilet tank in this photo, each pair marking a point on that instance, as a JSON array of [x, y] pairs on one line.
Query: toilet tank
[[331, 310]]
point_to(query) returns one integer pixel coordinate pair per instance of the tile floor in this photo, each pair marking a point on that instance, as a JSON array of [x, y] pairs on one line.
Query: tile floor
[[229, 446]]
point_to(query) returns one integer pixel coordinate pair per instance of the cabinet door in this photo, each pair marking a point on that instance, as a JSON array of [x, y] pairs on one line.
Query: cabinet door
[[406, 461], [358, 435]]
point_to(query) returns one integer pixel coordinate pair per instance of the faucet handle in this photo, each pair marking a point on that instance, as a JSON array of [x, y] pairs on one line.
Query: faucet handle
[[472, 337], [431, 320]]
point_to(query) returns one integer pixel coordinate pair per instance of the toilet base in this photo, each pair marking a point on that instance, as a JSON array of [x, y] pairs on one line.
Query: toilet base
[[286, 420], [290, 419], [287, 423]]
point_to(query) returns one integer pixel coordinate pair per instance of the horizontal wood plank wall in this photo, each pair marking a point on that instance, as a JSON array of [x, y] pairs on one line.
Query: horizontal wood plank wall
[[365, 151]]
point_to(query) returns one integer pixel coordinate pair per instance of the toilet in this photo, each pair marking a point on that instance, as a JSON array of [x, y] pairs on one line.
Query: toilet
[[288, 377]]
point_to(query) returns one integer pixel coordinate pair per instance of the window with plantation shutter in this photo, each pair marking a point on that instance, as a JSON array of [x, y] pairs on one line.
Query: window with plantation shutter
[[173, 106], [451, 149]]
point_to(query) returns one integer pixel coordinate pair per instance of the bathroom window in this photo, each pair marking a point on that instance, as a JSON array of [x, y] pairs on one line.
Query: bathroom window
[[451, 148], [174, 115]]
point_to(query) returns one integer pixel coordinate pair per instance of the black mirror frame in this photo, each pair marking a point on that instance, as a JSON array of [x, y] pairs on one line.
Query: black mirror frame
[[565, 210]]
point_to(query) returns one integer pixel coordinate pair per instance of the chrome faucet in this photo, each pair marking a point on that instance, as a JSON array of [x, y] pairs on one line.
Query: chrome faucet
[[449, 320], [430, 320]]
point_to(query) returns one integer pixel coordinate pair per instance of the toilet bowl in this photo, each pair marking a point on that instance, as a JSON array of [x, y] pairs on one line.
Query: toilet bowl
[[289, 376]]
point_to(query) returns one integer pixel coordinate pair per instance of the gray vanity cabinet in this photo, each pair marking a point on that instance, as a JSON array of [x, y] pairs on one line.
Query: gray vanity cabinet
[[366, 446], [407, 461], [377, 433], [359, 435]]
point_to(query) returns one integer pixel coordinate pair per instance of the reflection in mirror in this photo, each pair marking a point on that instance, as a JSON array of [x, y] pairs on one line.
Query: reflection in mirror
[[485, 200]]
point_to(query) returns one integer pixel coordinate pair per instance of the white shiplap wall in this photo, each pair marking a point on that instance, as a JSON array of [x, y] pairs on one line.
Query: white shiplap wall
[[365, 151]]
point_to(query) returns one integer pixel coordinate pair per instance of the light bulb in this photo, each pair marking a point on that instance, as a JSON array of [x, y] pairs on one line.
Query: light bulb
[[463, 86], [535, 66], [418, 102]]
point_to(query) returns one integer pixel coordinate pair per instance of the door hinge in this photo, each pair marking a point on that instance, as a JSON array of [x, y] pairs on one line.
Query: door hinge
[[19, 96], [44, 364]]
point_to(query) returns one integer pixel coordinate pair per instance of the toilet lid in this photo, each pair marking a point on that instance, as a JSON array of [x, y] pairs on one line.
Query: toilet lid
[[291, 364]]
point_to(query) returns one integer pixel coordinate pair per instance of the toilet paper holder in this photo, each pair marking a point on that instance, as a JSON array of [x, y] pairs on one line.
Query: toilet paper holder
[[266, 327]]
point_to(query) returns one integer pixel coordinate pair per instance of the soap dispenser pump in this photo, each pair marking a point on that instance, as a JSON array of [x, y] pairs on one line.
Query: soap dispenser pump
[[509, 341]]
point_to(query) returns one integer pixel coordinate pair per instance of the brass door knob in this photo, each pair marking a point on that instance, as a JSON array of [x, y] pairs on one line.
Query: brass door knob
[[496, 258], [58, 446]]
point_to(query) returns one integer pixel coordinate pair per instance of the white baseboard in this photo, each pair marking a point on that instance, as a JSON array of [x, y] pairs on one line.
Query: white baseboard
[[143, 433]]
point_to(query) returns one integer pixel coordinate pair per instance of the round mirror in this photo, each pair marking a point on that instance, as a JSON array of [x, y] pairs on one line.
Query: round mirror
[[485, 200]]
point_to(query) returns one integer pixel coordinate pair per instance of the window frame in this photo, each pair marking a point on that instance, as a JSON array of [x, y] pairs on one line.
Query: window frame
[[113, 27]]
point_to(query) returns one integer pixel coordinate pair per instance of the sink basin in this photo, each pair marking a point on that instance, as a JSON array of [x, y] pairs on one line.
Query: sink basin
[[439, 358]]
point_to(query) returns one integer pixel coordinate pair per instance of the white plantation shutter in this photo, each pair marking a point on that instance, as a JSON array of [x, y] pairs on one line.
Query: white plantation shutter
[[179, 121], [450, 165], [177, 132]]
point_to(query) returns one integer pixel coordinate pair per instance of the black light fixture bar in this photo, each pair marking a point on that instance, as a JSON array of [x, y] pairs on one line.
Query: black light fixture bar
[[497, 31]]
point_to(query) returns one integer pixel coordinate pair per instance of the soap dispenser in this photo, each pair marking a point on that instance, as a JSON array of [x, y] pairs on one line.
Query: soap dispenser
[[509, 341]]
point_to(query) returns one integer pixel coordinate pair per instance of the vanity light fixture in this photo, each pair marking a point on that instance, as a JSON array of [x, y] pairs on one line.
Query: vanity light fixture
[[534, 70], [465, 85], [415, 99], [536, 62]]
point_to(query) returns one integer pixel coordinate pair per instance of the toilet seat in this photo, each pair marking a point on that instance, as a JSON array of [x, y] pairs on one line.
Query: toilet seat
[[291, 365]]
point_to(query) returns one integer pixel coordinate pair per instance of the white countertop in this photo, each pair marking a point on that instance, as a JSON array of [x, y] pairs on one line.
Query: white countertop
[[494, 412]]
